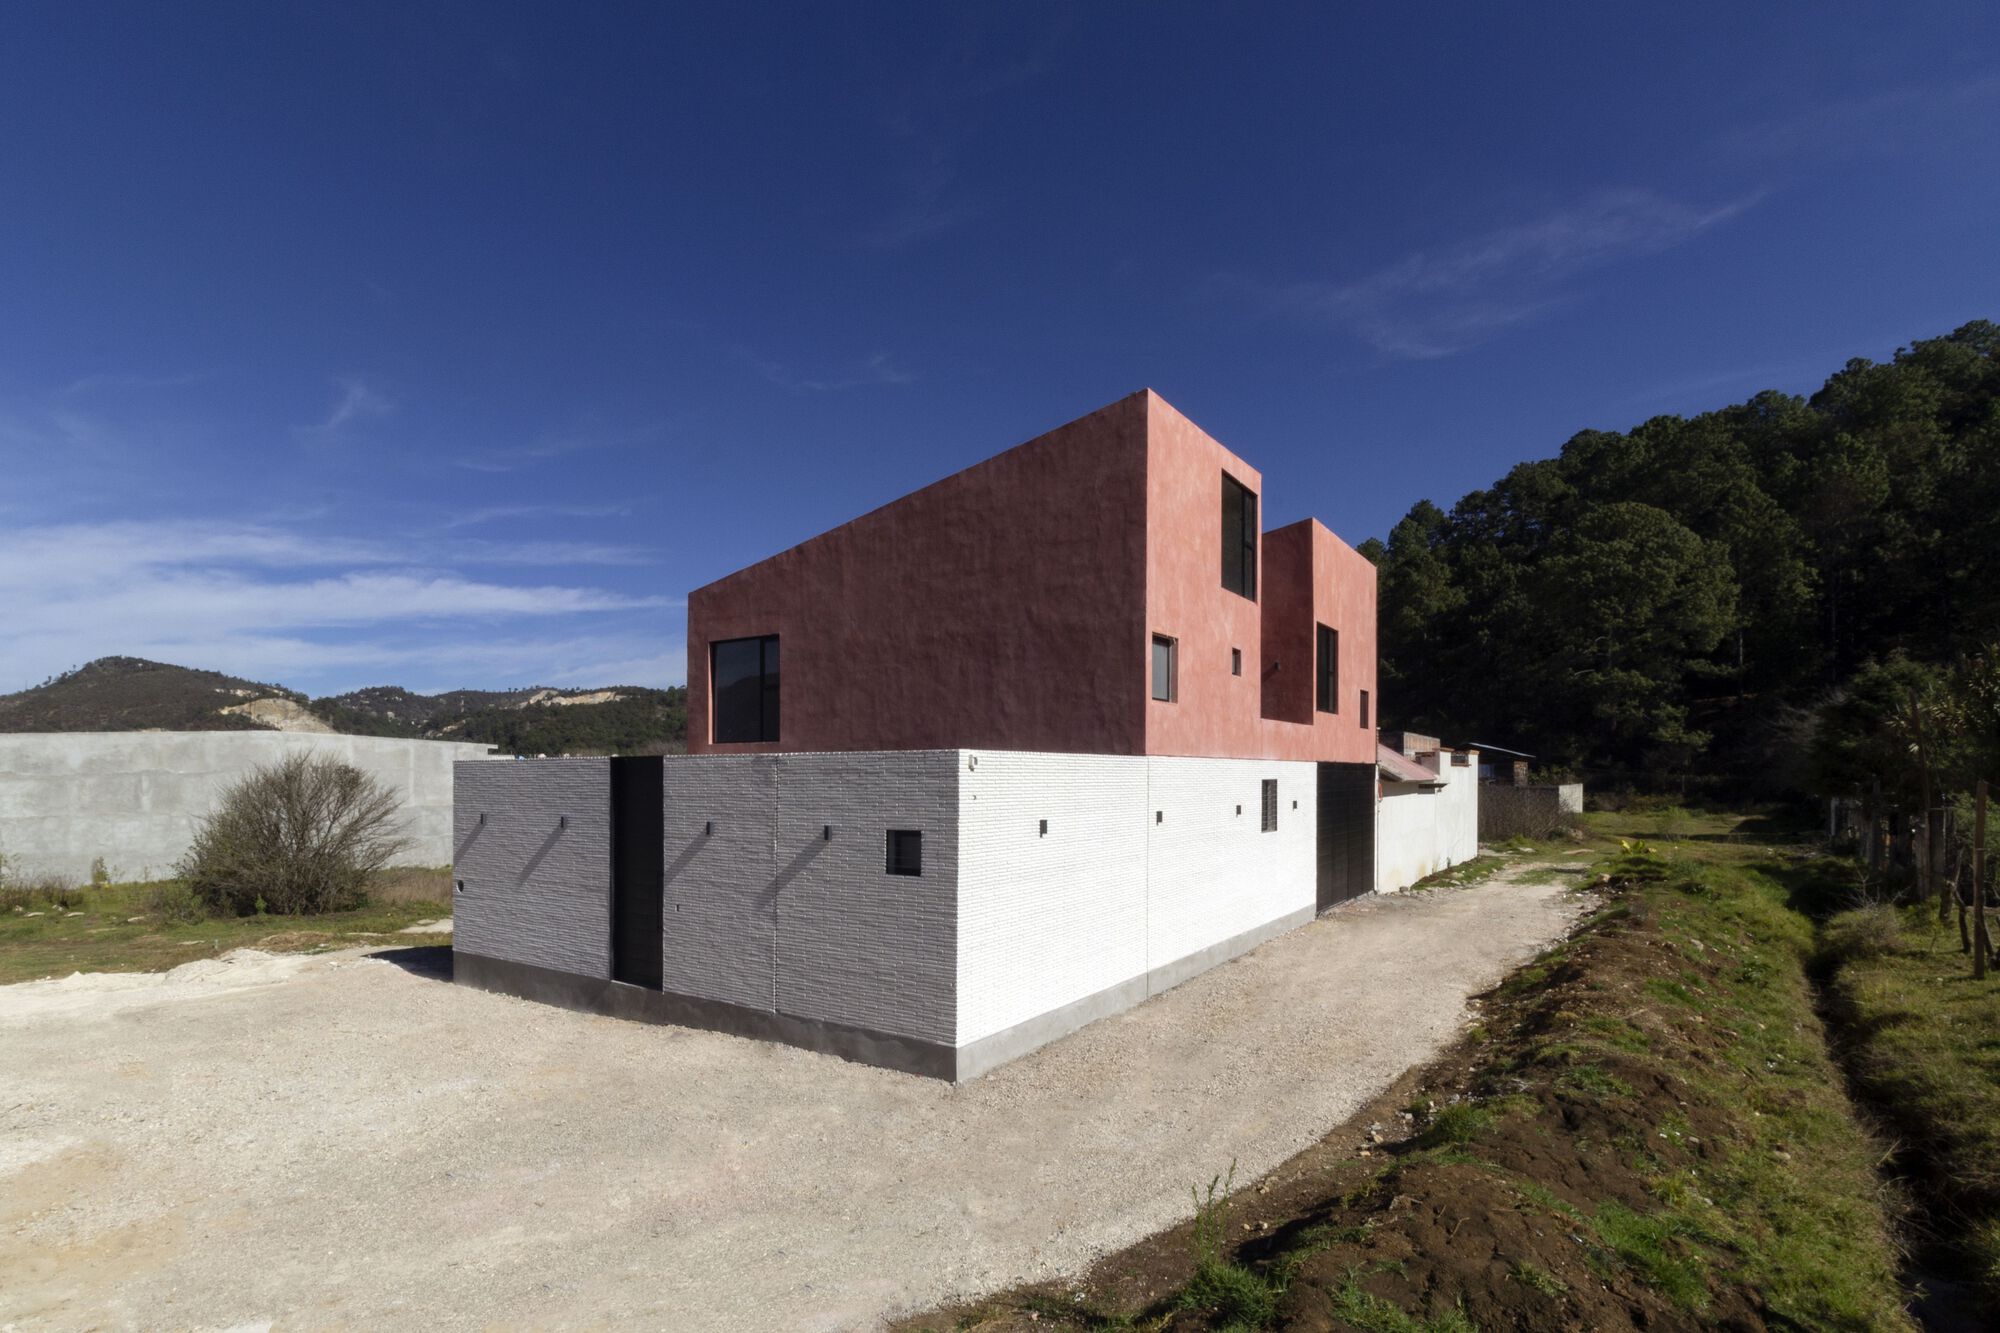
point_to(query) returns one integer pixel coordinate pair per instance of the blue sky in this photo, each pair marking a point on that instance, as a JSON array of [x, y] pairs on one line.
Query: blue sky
[[452, 345]]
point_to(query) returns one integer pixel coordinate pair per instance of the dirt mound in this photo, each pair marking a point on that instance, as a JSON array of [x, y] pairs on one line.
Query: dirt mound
[[1646, 1132]]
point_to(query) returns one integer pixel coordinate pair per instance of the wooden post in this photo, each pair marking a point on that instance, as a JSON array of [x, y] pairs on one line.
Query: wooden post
[[1979, 884], [1924, 879]]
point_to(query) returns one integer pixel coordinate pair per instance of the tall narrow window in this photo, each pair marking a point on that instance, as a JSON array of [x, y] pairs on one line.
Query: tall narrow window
[[1235, 661], [743, 690], [1239, 537], [1270, 805], [1364, 710], [1164, 668], [1328, 693]]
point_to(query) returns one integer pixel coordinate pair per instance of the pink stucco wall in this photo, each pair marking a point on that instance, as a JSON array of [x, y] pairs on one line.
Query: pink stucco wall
[[998, 608], [1306, 576], [1013, 606]]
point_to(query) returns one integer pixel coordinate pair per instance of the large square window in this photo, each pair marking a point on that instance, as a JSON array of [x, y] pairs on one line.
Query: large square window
[[743, 690], [1239, 537]]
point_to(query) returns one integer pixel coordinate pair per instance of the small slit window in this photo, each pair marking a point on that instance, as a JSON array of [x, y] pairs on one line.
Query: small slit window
[[906, 851], [1235, 661], [1270, 805], [1364, 710]]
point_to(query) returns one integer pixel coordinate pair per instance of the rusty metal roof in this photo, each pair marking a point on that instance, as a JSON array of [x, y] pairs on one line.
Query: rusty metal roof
[[1393, 765]]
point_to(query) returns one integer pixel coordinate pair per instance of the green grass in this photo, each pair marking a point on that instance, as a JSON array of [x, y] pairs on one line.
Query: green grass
[[1462, 874], [1375, 1315], [1927, 1050], [115, 928]]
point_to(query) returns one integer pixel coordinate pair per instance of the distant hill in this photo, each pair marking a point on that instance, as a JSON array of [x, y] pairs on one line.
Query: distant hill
[[132, 694]]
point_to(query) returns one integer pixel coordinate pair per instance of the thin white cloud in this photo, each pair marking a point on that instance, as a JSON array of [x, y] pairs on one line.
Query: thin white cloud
[[473, 518], [1433, 303], [356, 401], [514, 457], [879, 369], [1888, 122], [242, 597]]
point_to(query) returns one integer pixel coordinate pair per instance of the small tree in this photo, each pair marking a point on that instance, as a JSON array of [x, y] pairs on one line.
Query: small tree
[[304, 835]]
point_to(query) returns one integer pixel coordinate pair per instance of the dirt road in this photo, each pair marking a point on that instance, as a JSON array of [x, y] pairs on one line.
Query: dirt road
[[344, 1140]]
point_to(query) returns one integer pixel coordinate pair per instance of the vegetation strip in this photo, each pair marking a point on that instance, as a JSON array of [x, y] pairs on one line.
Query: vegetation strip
[[1647, 1130], [1923, 1047]]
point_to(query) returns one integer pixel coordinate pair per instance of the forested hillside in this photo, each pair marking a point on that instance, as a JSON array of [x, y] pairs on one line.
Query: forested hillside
[[1688, 596]]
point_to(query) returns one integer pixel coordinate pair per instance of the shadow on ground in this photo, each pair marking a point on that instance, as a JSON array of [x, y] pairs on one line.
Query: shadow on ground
[[429, 961]]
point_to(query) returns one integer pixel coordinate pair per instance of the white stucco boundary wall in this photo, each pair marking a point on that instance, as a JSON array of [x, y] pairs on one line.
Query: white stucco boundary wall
[[134, 797], [1420, 830]]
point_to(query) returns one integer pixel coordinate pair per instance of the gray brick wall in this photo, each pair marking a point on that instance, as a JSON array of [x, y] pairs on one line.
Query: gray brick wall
[[858, 945], [535, 892], [720, 916], [767, 912]]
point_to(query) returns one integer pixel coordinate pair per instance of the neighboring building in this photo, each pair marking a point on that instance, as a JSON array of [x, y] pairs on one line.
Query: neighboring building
[[1005, 755], [1428, 819], [1512, 806]]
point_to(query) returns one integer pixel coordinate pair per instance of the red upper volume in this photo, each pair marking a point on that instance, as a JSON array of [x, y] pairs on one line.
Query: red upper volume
[[1043, 600]]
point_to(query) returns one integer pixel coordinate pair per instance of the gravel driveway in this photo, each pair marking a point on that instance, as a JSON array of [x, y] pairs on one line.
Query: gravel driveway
[[343, 1140]]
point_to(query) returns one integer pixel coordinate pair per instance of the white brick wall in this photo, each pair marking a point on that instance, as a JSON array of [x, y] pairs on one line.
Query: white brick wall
[[1044, 921], [1111, 894], [1212, 874]]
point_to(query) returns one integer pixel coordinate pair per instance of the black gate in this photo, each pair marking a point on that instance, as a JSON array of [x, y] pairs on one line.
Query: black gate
[[638, 849], [1346, 832]]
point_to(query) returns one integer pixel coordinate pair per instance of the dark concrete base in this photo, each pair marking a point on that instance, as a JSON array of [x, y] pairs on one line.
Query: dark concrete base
[[615, 999]]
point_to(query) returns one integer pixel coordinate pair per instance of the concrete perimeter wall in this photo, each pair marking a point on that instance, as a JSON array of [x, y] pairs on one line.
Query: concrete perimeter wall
[[134, 798], [1421, 830]]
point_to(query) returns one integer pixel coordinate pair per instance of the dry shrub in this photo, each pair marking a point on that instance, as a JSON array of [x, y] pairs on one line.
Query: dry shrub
[[1874, 931], [428, 886], [302, 836], [40, 892]]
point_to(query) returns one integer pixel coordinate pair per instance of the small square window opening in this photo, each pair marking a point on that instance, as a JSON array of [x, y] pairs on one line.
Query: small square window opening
[[906, 852]]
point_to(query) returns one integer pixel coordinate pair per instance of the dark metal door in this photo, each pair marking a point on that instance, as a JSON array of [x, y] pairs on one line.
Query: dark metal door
[[638, 849], [1346, 832]]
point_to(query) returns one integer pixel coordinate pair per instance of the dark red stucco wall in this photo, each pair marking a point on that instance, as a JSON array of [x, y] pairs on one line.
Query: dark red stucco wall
[[1000, 608]]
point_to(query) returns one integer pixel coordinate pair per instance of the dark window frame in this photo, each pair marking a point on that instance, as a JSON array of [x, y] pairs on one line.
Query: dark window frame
[[904, 852], [1239, 538], [1326, 669], [1173, 682], [768, 677]]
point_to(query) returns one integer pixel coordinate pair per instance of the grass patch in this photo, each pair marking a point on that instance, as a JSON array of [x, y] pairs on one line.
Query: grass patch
[[150, 928], [1925, 1049], [1459, 876], [1373, 1314]]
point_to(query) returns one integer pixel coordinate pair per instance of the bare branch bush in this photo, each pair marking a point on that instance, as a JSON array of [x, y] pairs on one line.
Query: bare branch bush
[[305, 835]]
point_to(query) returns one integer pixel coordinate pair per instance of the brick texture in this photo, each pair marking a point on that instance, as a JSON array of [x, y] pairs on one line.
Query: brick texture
[[535, 892]]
